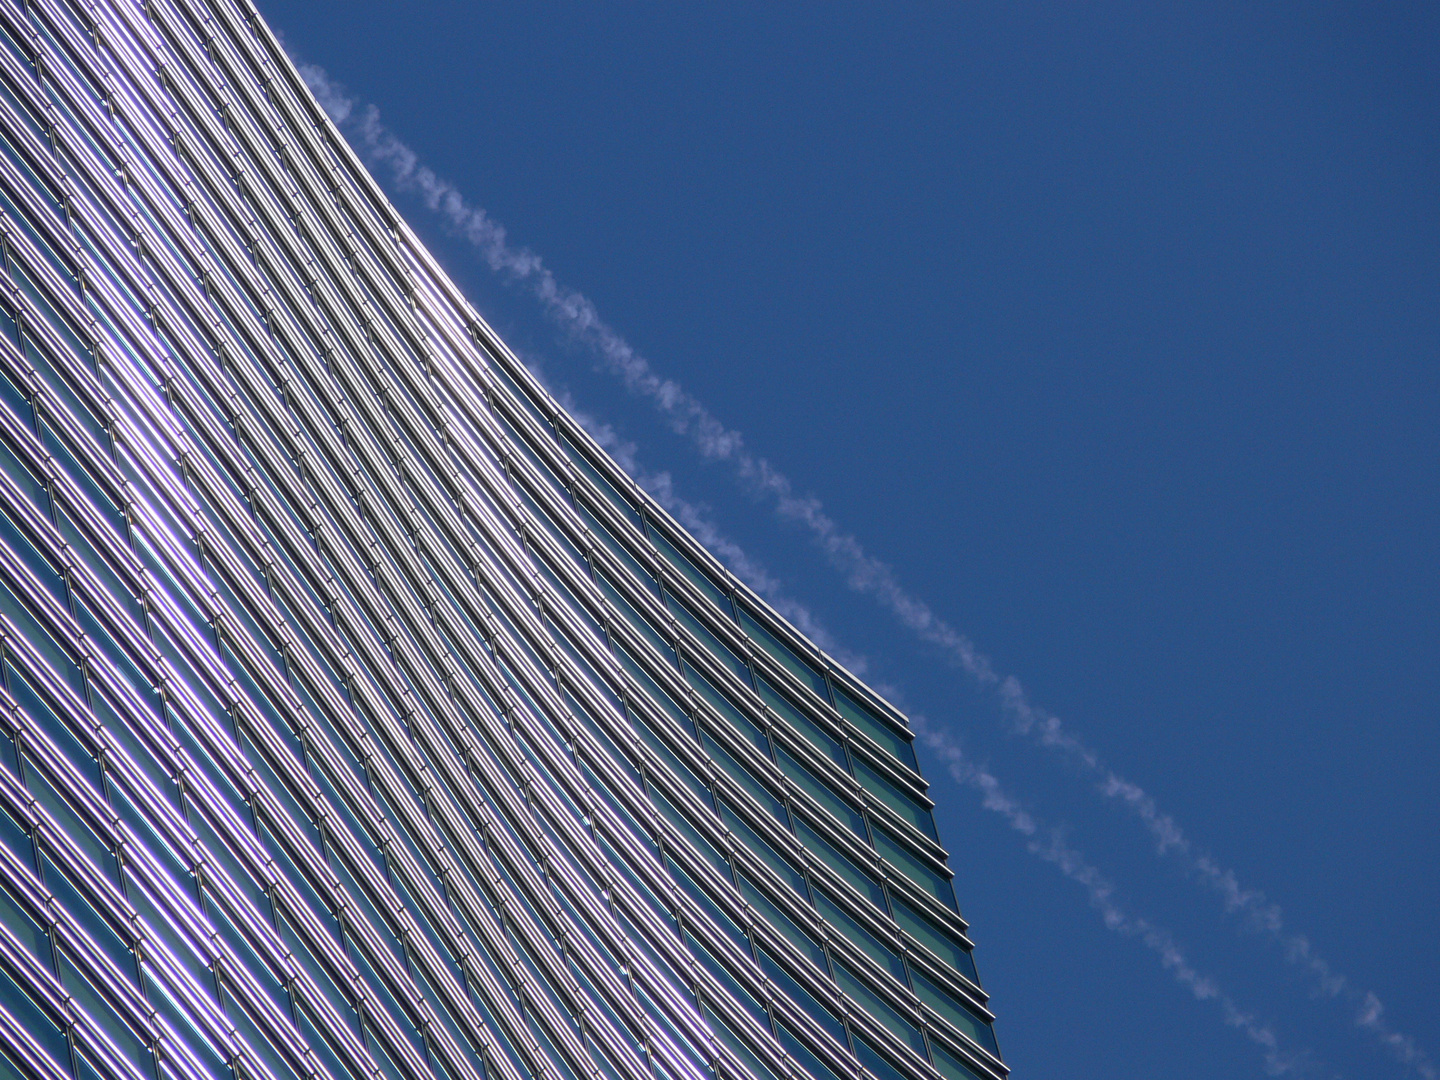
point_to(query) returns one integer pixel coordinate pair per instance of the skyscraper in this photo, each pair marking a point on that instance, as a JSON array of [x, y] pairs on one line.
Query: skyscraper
[[361, 719]]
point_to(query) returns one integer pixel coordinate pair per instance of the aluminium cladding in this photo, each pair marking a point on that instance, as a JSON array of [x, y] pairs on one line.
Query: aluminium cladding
[[361, 720]]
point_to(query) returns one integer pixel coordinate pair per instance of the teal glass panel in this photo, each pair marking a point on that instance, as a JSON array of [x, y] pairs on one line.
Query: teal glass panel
[[877, 950], [897, 800], [44, 570], [808, 729], [879, 1009], [784, 655], [607, 489], [885, 734], [878, 1064], [722, 653], [738, 1047], [801, 1053], [68, 820], [35, 1019], [822, 849], [956, 1011], [823, 794], [701, 898], [88, 919], [915, 868], [16, 836], [950, 1066], [783, 924], [30, 933], [697, 577], [749, 782], [785, 868], [939, 941], [652, 689], [637, 621], [131, 1044], [818, 1012], [691, 834], [728, 710]]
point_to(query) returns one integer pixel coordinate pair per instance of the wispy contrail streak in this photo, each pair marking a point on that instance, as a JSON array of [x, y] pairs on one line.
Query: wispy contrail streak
[[864, 573], [1046, 843]]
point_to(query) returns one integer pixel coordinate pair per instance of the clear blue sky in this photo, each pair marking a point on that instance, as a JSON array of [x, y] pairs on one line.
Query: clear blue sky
[[1114, 331]]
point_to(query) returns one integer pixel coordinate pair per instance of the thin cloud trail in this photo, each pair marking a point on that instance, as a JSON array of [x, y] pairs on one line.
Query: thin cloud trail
[[1045, 843], [864, 573], [1048, 843]]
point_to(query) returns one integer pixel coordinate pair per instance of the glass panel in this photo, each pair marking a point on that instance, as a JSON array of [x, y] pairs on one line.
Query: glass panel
[[879, 730], [15, 835], [913, 867], [636, 620], [748, 782], [742, 723], [592, 474], [821, 1014], [822, 793], [880, 1009], [691, 834], [737, 1046], [956, 1011], [697, 577], [717, 648], [888, 959], [783, 924], [840, 863], [88, 919], [68, 820], [696, 893], [937, 940], [818, 737], [34, 1019], [96, 1007], [808, 1061], [897, 800], [785, 868], [876, 1062], [951, 1067], [32, 935], [783, 655]]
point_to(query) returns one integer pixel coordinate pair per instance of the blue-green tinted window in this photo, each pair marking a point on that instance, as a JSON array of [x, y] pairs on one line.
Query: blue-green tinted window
[[807, 728], [950, 1066], [782, 866], [939, 941], [880, 1009], [718, 649], [779, 921], [819, 1012], [915, 868], [954, 1010], [841, 863], [877, 950], [880, 730], [900, 801], [784, 655], [697, 577], [823, 794]]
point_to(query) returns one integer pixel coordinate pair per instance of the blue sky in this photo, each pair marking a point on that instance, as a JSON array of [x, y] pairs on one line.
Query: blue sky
[[1112, 330]]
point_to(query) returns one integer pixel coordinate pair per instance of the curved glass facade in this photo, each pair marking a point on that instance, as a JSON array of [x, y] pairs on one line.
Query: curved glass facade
[[361, 720]]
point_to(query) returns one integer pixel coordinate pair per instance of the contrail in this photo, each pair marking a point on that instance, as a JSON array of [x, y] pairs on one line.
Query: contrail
[[1048, 843], [1045, 843], [864, 573]]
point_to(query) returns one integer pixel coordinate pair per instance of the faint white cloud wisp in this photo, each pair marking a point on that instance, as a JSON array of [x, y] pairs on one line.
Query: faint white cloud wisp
[[863, 572]]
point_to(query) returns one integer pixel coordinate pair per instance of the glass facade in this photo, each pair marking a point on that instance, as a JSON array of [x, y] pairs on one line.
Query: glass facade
[[360, 719]]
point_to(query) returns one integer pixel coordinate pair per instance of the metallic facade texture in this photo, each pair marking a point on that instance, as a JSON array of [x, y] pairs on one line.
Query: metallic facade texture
[[361, 720]]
